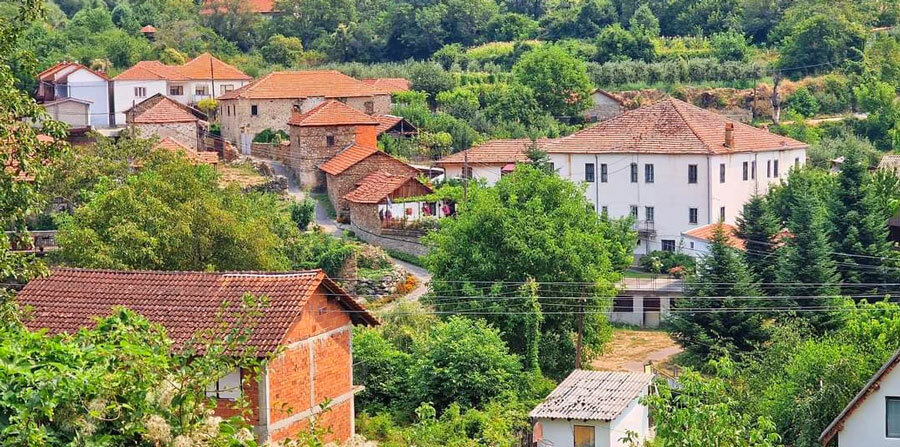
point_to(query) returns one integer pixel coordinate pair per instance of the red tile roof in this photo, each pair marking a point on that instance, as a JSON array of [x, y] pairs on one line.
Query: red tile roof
[[346, 158], [387, 122], [376, 187], [499, 152], [707, 232], [159, 109], [303, 84], [148, 29], [183, 302], [201, 157], [202, 67], [669, 126], [48, 74], [389, 85], [332, 113], [258, 6]]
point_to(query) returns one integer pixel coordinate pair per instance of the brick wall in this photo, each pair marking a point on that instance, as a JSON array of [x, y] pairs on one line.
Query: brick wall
[[316, 364], [250, 390], [341, 184], [186, 133]]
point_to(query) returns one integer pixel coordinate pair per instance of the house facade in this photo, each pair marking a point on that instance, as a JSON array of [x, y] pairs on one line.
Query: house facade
[[270, 102], [606, 105], [872, 417], [73, 81], [345, 170], [673, 167], [696, 241], [203, 77], [488, 161], [162, 117], [308, 322], [594, 409]]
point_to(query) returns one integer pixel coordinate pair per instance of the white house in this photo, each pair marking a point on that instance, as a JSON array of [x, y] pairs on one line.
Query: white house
[[70, 80], [488, 161], [593, 409], [696, 241], [673, 167], [872, 418], [203, 77]]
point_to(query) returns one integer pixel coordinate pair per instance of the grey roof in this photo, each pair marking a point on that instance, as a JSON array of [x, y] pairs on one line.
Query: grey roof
[[592, 395]]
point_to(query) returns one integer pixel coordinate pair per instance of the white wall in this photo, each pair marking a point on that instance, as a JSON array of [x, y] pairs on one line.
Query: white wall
[[606, 434], [88, 86], [489, 172], [125, 98], [867, 425], [635, 418], [736, 191]]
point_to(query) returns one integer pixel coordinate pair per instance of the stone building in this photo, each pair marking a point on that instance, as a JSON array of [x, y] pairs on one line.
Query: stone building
[[606, 105], [269, 102], [345, 171], [323, 132], [163, 117]]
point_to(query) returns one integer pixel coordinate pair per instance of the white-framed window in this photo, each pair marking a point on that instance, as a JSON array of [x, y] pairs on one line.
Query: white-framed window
[[649, 176], [775, 168], [768, 168], [604, 173], [201, 90], [176, 90], [668, 245], [227, 387], [140, 92], [753, 169]]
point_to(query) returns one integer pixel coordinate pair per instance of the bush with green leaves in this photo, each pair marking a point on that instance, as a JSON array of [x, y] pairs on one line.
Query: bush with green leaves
[[661, 261], [271, 136], [690, 71], [803, 102], [303, 213]]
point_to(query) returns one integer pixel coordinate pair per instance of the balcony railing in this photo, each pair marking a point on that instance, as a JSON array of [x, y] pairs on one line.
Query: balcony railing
[[644, 227]]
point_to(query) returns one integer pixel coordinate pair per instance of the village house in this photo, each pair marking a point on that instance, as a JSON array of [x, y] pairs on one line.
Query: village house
[[345, 170], [488, 161], [396, 126], [163, 117], [308, 322], [378, 216], [673, 167], [606, 105], [696, 241], [594, 409], [76, 95], [872, 418], [203, 77], [269, 102]]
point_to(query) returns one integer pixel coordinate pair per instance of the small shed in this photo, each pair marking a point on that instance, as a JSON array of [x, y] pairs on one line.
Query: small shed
[[593, 409], [396, 126], [72, 111]]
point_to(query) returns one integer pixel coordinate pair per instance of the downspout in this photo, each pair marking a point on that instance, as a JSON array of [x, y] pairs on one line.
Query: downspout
[[597, 177], [708, 190]]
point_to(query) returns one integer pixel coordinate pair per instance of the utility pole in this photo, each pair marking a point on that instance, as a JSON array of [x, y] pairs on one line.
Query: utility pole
[[212, 78], [465, 176], [776, 102], [580, 325]]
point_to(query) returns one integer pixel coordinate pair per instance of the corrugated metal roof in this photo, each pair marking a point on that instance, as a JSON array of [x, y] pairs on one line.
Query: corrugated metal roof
[[593, 395]]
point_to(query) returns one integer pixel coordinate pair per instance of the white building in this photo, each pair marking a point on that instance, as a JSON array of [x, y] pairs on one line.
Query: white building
[[696, 241], [872, 418], [673, 167], [70, 80], [203, 77], [488, 161], [593, 409]]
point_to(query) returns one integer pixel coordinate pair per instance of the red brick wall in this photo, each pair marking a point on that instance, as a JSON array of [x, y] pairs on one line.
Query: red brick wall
[[289, 373], [339, 185]]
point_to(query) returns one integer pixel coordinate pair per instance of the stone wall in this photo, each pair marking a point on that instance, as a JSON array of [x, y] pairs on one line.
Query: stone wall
[[185, 133], [392, 240], [341, 184], [309, 148], [271, 151]]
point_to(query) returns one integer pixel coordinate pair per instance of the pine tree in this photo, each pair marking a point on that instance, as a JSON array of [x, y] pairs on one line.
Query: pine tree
[[859, 230], [759, 227], [806, 272], [722, 281]]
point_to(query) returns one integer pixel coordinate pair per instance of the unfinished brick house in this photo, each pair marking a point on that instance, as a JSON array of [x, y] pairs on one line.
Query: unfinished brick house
[[308, 315], [269, 102], [162, 117]]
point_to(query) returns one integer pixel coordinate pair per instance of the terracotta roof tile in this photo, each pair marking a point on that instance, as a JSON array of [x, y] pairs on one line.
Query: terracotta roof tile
[[346, 158], [707, 232], [197, 157], [159, 109], [303, 84], [48, 74], [494, 152], [669, 126], [332, 113], [387, 122], [376, 187], [197, 68], [183, 302], [258, 6], [389, 85], [148, 29]]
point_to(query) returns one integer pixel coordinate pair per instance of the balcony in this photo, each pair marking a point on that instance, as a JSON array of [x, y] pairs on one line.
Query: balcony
[[644, 228]]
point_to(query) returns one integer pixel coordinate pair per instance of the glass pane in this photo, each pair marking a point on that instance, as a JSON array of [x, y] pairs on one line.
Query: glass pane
[[893, 417], [584, 436]]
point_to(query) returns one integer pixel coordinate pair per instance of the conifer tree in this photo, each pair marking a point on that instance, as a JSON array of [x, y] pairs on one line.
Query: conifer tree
[[759, 227], [722, 283]]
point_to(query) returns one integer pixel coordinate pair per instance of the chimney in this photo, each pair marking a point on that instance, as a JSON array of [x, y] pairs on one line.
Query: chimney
[[729, 135]]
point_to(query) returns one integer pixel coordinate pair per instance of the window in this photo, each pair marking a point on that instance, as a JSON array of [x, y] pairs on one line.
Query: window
[[370, 107], [775, 168], [589, 172], [584, 436], [768, 168], [604, 210], [634, 173], [552, 167], [254, 110], [893, 417], [633, 211], [201, 90], [623, 304], [176, 90], [796, 161], [467, 172], [668, 245], [721, 172], [692, 215], [604, 173], [227, 387], [722, 213], [226, 88], [140, 92], [329, 140], [746, 170], [648, 173], [692, 173], [648, 213], [753, 169]]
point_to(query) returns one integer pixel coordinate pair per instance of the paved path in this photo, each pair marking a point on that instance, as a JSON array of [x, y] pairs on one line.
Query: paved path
[[655, 356]]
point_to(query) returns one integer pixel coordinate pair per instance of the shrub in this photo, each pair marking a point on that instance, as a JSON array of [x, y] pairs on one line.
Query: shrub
[[659, 261], [803, 102], [271, 136], [731, 46], [302, 213]]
